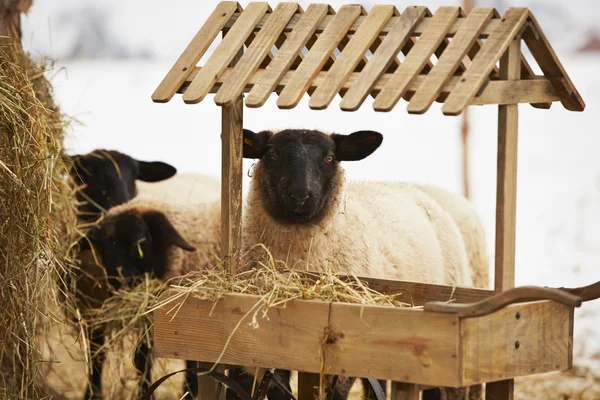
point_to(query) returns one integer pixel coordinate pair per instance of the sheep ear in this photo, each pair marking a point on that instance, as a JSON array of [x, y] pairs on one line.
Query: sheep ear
[[154, 171], [255, 144], [357, 145], [161, 229]]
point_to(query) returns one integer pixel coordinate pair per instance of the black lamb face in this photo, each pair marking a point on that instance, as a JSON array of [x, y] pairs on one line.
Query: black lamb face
[[299, 171], [108, 179], [132, 243]]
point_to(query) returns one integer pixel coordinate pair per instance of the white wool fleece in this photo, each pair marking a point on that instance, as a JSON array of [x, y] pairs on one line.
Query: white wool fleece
[[377, 229]]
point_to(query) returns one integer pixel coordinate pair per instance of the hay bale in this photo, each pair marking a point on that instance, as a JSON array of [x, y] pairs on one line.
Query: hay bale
[[37, 216]]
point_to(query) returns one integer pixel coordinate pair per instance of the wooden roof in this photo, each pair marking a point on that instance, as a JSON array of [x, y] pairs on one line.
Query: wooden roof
[[291, 51]]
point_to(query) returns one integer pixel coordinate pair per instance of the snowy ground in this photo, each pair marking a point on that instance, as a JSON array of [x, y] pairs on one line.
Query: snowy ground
[[558, 234]]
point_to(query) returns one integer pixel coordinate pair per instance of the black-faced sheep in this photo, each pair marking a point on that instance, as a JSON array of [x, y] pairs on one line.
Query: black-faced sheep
[[108, 178], [138, 237], [300, 207]]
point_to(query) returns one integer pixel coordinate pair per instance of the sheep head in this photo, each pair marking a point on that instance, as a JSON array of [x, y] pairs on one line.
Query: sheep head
[[107, 179], [128, 244], [299, 172]]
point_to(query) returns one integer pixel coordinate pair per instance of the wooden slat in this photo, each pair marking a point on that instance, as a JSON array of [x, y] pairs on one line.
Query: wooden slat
[[255, 54], [351, 55], [549, 63], [318, 55], [292, 338], [486, 58], [527, 72], [405, 391], [194, 51], [450, 60], [495, 92], [490, 353], [417, 58], [225, 52], [308, 386], [419, 29], [286, 55], [386, 53]]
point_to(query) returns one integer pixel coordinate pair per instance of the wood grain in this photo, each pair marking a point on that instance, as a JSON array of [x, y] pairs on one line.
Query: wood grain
[[233, 87], [231, 181], [225, 52], [318, 55], [490, 351], [450, 60], [550, 65], [416, 59], [287, 54], [386, 53], [194, 51], [485, 60], [291, 338], [419, 29], [351, 55]]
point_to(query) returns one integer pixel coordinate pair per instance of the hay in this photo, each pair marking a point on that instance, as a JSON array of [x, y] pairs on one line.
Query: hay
[[37, 217]]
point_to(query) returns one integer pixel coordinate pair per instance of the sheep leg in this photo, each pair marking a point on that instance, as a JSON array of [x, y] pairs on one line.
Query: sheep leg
[[143, 364], [191, 379], [94, 389]]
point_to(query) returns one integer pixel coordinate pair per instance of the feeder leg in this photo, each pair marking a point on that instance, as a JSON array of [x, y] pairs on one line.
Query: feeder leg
[[405, 391], [207, 386], [506, 197], [308, 386]]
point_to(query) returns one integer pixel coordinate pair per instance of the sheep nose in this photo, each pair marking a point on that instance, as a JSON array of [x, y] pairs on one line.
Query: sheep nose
[[299, 196]]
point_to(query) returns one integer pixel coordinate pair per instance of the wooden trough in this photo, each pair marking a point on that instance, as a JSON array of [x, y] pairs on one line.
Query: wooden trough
[[290, 51]]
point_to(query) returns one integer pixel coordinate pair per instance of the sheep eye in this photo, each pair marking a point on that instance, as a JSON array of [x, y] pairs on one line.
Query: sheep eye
[[272, 155], [328, 159]]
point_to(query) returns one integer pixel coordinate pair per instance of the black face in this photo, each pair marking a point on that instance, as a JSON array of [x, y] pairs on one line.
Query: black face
[[132, 243], [108, 179], [299, 170]]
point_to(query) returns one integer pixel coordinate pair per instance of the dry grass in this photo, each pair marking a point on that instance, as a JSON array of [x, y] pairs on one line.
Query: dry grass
[[37, 217]]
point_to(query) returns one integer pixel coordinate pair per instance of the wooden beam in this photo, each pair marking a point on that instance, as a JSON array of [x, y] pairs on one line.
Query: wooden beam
[[506, 194], [292, 338], [308, 386], [405, 391], [422, 26], [537, 90]]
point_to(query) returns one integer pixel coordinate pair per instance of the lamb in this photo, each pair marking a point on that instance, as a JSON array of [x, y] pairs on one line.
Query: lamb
[[107, 178], [138, 237], [301, 209]]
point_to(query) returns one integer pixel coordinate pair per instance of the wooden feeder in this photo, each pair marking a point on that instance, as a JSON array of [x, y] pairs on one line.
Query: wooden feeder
[[479, 62]]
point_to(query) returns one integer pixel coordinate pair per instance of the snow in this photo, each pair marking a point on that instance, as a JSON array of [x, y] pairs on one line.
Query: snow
[[558, 209]]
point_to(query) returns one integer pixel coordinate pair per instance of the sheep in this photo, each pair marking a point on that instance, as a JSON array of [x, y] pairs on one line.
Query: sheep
[[301, 209], [138, 237], [183, 188], [107, 178]]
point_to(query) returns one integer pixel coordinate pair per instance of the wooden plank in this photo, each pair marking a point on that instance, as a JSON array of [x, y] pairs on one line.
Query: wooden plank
[[208, 387], [519, 340], [255, 53], [231, 181], [308, 386], [417, 58], [506, 196], [506, 189], [544, 54], [527, 73], [351, 55], [385, 55], [450, 60], [481, 67], [287, 54], [292, 338], [405, 391], [194, 51], [495, 92], [225, 52], [419, 29], [317, 56]]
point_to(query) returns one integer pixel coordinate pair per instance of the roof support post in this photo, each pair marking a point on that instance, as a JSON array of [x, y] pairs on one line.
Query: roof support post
[[506, 197]]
